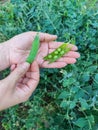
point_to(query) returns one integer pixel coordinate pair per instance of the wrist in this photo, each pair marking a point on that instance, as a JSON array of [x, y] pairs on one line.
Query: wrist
[[4, 56]]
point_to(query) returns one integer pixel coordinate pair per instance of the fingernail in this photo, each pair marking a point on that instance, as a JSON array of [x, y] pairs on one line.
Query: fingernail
[[55, 36], [78, 55], [75, 48], [25, 65]]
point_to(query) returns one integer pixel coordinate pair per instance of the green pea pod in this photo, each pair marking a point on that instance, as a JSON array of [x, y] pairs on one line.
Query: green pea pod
[[57, 53], [34, 49]]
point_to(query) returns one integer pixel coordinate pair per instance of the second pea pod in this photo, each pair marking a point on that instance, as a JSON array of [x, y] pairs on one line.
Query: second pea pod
[[58, 53]]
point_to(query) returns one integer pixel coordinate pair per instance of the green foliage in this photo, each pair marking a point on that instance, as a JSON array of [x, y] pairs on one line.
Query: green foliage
[[67, 98]]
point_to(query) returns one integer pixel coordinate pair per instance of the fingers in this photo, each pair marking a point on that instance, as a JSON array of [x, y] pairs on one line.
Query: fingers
[[62, 62], [54, 45], [43, 36], [72, 54], [32, 77], [17, 73], [47, 37], [54, 64], [13, 66], [26, 86], [67, 60]]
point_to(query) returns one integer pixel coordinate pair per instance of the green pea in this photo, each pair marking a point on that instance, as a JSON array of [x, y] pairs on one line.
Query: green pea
[[59, 49], [49, 56], [55, 57], [34, 49], [62, 52], [56, 52]]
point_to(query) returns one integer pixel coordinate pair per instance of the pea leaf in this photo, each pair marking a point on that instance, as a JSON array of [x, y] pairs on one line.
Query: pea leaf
[[86, 77], [96, 77], [84, 104], [68, 82], [81, 122], [63, 95], [72, 104]]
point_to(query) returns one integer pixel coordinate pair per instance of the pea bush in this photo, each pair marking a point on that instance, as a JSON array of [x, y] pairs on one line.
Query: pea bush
[[66, 98]]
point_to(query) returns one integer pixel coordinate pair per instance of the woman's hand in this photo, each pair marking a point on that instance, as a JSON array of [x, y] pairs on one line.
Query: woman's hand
[[4, 56], [16, 50], [19, 85], [20, 46]]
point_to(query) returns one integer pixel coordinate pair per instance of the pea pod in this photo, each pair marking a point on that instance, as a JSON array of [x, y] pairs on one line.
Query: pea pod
[[57, 53], [34, 49]]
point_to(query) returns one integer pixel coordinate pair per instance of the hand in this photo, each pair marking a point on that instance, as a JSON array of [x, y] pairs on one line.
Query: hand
[[19, 85], [48, 47], [16, 50], [4, 56], [20, 46]]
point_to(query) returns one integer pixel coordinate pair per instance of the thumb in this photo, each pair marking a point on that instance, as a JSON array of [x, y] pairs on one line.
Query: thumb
[[18, 72]]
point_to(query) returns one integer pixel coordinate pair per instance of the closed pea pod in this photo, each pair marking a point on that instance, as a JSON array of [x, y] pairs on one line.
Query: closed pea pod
[[34, 49]]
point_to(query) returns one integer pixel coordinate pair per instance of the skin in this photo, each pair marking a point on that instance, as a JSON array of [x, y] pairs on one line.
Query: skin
[[24, 78], [12, 91]]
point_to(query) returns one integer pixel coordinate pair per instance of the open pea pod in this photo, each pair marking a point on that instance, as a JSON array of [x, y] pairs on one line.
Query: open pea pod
[[57, 53]]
